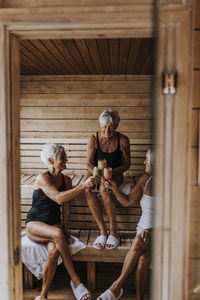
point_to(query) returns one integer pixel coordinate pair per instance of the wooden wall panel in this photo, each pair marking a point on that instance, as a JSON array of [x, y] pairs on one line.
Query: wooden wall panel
[[194, 250], [49, 3], [65, 109]]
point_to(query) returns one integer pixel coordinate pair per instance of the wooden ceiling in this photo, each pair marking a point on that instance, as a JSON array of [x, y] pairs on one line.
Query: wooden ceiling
[[87, 57]]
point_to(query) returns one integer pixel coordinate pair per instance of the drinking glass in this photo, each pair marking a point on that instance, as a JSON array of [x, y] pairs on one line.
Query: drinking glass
[[96, 172], [101, 165], [107, 174]]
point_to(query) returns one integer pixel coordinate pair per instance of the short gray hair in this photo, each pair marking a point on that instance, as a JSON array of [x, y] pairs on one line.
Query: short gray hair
[[109, 116], [50, 151]]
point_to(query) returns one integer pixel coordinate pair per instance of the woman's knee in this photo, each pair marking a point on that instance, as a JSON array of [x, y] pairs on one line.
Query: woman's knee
[[58, 235], [53, 253], [138, 243]]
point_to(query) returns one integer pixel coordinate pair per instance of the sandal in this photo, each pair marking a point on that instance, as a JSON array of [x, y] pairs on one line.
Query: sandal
[[80, 291], [101, 239], [108, 295], [112, 240]]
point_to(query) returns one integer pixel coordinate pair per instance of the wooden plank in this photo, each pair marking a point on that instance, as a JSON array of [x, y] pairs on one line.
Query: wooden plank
[[194, 273], [84, 236], [49, 3], [31, 55], [85, 53], [198, 180], [194, 206], [193, 166], [84, 87], [126, 113], [71, 64], [102, 46], [196, 14], [89, 78], [140, 138], [195, 128], [92, 236], [77, 134], [81, 125], [114, 49], [134, 47], [194, 240], [196, 80], [124, 52], [196, 60], [75, 56], [91, 276]]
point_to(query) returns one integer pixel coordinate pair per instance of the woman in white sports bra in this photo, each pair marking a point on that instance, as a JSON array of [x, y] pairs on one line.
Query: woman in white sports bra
[[139, 254]]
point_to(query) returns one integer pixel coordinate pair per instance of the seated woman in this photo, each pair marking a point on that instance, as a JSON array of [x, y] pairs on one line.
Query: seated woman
[[139, 254], [114, 147], [43, 223]]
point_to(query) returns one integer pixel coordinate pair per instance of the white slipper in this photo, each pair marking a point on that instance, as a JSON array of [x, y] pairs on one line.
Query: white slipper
[[108, 295], [101, 239], [80, 291], [112, 240], [37, 298]]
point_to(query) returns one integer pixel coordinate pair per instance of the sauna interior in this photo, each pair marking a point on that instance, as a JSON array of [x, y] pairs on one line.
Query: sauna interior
[[65, 85]]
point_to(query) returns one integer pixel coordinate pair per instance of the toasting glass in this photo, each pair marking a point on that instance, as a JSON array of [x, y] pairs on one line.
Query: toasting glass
[[107, 174], [96, 172]]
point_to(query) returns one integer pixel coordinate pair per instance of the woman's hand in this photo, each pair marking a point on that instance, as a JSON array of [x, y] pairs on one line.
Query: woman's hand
[[109, 184], [146, 234], [90, 182]]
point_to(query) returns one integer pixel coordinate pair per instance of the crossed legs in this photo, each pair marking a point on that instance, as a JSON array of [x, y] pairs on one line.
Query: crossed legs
[[56, 243]]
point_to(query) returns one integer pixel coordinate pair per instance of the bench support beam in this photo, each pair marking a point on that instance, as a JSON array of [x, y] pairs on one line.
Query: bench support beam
[[91, 276]]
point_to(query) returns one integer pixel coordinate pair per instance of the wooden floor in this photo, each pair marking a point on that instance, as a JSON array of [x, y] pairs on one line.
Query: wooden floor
[[106, 273]]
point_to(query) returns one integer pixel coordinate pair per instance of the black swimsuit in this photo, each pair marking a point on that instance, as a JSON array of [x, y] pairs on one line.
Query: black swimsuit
[[43, 208], [113, 159]]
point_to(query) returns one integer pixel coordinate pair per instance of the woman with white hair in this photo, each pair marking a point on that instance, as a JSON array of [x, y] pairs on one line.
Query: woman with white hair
[[43, 223], [114, 147], [139, 254]]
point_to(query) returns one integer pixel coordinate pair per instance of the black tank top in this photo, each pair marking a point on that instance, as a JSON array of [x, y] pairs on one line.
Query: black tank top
[[43, 208], [113, 159]]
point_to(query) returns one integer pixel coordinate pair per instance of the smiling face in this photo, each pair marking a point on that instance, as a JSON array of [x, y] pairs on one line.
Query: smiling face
[[147, 163], [108, 130], [60, 162]]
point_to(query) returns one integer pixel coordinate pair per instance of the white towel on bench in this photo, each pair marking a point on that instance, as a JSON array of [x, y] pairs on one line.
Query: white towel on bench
[[34, 255]]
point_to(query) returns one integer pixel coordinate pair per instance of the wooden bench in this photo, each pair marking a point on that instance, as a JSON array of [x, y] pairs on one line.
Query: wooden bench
[[83, 226]]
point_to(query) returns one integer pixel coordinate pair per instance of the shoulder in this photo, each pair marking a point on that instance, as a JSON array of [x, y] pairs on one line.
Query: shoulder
[[92, 141], [124, 140], [143, 179], [42, 179]]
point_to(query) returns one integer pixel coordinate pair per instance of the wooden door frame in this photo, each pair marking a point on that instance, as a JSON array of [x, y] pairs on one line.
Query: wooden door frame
[[85, 22], [55, 22], [172, 147]]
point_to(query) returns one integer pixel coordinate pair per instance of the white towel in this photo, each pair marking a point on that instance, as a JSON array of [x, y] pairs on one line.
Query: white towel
[[34, 255]]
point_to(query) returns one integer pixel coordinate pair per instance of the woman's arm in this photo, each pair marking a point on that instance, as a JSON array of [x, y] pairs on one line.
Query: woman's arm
[[126, 200], [44, 183], [91, 149], [125, 148]]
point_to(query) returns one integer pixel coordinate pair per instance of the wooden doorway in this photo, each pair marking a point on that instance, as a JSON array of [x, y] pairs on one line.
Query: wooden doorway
[[76, 21]]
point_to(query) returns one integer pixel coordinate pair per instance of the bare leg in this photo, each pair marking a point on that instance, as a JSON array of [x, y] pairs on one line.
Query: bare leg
[[110, 209], [142, 274], [49, 270], [96, 210], [42, 233], [130, 262]]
